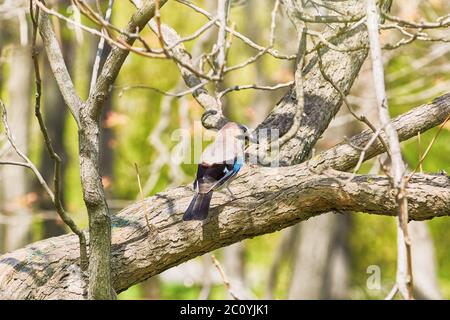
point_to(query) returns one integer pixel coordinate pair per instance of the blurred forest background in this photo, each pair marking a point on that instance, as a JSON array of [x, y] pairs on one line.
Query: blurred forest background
[[138, 126]]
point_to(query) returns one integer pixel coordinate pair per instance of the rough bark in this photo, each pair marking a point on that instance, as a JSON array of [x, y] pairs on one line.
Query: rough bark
[[95, 201], [321, 100], [48, 269]]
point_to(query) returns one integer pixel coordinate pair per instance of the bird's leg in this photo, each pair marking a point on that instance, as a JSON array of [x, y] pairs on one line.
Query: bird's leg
[[233, 197]]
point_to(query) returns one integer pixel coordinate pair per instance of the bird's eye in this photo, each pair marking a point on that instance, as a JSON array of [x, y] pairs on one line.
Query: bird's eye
[[243, 128]]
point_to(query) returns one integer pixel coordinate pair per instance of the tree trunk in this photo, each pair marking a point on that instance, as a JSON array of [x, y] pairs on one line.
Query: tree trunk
[[320, 270], [424, 262], [234, 266], [14, 180]]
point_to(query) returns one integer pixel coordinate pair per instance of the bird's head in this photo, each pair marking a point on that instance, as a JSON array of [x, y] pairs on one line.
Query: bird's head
[[246, 135], [230, 143]]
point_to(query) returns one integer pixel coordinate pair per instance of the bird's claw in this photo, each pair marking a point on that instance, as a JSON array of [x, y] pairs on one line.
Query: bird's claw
[[233, 197]]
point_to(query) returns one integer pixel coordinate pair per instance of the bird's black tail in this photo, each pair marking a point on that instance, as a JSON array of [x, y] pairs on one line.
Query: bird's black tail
[[199, 207]]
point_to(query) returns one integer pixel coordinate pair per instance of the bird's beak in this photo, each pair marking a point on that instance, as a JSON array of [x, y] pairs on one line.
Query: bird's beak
[[252, 137]]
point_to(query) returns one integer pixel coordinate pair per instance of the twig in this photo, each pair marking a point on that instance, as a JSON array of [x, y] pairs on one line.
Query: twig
[[166, 93], [28, 162], [263, 52], [427, 150], [196, 34], [15, 163], [360, 118], [157, 28], [392, 293], [419, 150], [213, 117], [347, 18], [330, 45], [237, 34], [223, 8], [442, 22], [256, 87], [206, 279], [53, 155], [262, 148], [397, 168], [176, 173], [299, 92], [100, 48], [57, 64], [106, 25], [224, 277], [411, 37], [147, 52], [364, 150]]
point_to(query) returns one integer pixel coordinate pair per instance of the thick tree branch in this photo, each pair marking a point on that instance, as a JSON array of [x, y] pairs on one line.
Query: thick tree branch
[[47, 269], [270, 199], [344, 156]]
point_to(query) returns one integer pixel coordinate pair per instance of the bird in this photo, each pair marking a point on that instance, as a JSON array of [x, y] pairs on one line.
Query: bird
[[219, 164]]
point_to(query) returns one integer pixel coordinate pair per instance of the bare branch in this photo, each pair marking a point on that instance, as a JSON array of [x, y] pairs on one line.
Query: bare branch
[[51, 151], [59, 68], [321, 100], [361, 118], [100, 285], [427, 150], [347, 18], [28, 163], [397, 169], [166, 93], [238, 35], [15, 163], [441, 22], [100, 48], [256, 87], [213, 117], [118, 55], [223, 8], [224, 277]]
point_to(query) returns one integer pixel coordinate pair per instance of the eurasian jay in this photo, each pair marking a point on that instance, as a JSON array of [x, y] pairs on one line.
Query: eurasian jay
[[220, 162]]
